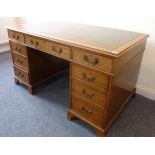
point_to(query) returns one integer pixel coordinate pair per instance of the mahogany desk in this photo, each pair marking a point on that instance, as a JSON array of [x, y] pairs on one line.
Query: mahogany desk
[[104, 65]]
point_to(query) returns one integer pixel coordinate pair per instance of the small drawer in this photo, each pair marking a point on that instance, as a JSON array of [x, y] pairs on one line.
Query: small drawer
[[19, 37], [87, 111], [95, 61], [20, 60], [21, 74], [57, 49], [34, 42], [18, 48], [94, 79], [88, 93]]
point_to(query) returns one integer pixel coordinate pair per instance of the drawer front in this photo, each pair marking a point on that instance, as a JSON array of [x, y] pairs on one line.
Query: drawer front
[[19, 37], [21, 74], [34, 42], [57, 49], [18, 48], [95, 61], [88, 112], [94, 79], [20, 60], [88, 93]]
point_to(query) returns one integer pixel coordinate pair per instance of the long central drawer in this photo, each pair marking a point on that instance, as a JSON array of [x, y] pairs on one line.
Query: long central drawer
[[34, 42], [57, 49]]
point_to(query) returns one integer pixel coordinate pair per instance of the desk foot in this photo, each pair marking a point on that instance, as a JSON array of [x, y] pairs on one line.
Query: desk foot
[[16, 81], [31, 90], [134, 93], [100, 133], [70, 116]]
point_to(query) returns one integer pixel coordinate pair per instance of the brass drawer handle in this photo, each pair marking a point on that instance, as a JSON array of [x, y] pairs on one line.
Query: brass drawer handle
[[20, 61], [18, 49], [84, 92], [90, 61], [89, 79], [34, 43], [85, 111], [20, 74], [57, 50], [16, 37]]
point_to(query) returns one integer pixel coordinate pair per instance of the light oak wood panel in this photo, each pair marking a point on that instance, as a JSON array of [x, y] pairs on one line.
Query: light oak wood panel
[[128, 55], [122, 88]]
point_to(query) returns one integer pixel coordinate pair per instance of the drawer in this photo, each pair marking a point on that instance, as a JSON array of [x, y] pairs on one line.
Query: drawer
[[19, 37], [57, 49], [94, 79], [87, 111], [95, 61], [34, 42], [21, 74], [18, 48], [20, 60], [88, 93]]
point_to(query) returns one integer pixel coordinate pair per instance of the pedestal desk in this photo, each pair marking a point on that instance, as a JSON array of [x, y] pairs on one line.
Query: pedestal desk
[[103, 65]]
